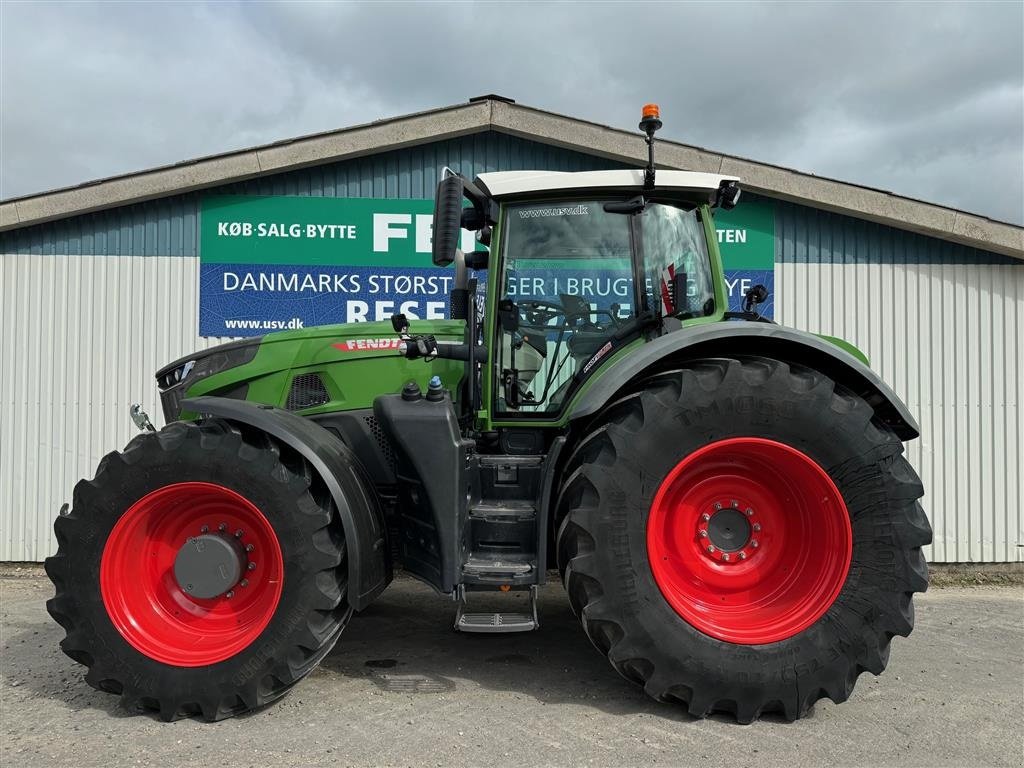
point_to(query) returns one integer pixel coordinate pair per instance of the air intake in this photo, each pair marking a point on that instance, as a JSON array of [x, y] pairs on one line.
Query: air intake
[[308, 391], [382, 440]]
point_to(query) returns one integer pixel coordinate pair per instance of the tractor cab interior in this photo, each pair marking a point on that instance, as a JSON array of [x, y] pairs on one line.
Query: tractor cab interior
[[570, 271]]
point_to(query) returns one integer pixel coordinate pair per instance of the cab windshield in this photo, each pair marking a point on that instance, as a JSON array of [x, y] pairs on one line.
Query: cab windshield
[[569, 285]]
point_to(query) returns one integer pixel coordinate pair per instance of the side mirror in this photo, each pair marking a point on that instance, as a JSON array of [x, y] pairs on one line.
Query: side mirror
[[728, 195], [754, 296], [447, 220]]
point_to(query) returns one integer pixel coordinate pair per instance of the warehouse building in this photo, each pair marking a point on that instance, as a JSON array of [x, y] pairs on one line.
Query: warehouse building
[[103, 283]]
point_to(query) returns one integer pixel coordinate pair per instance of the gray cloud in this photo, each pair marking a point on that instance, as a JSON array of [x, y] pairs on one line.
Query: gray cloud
[[924, 99]]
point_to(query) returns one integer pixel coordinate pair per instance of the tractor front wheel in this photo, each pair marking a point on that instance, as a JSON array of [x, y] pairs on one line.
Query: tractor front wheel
[[741, 535], [201, 572]]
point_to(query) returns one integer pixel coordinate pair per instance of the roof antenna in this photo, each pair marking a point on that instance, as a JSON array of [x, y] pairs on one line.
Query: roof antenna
[[650, 121]]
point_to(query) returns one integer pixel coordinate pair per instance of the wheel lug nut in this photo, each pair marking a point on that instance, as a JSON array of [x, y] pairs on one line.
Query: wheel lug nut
[[757, 526], [230, 593], [243, 583], [251, 566], [711, 548], [718, 505], [735, 503], [249, 547], [705, 517], [703, 534], [222, 527], [754, 544], [205, 529], [743, 555], [238, 533], [749, 512], [726, 557]]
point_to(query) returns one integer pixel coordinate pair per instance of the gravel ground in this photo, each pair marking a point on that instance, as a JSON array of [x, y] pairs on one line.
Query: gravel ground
[[402, 689]]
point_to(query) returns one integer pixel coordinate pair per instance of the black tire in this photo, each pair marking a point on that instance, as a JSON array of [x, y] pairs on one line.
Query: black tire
[[312, 608], [604, 502]]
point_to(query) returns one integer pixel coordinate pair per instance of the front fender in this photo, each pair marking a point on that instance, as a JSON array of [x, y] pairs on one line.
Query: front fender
[[749, 338], [369, 564]]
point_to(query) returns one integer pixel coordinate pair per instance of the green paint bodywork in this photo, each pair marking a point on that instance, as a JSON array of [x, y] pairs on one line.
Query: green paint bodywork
[[355, 377], [846, 346]]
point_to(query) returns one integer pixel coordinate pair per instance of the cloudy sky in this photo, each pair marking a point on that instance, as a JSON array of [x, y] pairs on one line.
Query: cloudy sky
[[926, 100]]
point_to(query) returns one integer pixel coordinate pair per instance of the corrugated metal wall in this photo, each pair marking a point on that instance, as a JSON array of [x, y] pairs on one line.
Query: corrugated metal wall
[[944, 326], [82, 336], [83, 332]]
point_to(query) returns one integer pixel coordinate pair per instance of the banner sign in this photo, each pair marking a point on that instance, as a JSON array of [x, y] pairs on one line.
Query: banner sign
[[282, 263], [746, 239]]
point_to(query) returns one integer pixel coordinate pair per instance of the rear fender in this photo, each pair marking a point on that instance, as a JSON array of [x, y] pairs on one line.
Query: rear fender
[[369, 563], [750, 338]]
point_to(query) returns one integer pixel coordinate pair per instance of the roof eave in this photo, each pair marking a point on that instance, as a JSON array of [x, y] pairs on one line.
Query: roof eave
[[771, 180], [529, 123], [229, 168]]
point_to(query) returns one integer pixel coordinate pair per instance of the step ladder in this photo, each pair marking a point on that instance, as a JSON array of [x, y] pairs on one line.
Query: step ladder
[[496, 622]]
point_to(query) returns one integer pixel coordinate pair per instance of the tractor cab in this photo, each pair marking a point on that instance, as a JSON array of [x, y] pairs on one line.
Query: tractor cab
[[580, 266], [583, 264]]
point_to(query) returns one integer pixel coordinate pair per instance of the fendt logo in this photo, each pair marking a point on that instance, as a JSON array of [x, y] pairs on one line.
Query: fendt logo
[[367, 345]]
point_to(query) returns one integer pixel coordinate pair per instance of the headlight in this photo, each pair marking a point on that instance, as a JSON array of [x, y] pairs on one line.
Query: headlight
[[175, 375], [172, 380]]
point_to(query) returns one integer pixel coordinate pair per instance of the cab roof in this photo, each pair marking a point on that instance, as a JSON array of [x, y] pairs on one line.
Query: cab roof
[[515, 183]]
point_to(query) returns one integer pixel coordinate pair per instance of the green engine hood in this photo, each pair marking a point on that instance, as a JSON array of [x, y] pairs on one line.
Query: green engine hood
[[354, 362]]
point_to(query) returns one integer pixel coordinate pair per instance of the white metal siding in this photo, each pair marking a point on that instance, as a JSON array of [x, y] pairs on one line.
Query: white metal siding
[[80, 339], [82, 335], [949, 339]]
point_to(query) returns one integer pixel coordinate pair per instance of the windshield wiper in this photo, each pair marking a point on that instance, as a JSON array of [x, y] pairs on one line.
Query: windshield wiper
[[633, 205]]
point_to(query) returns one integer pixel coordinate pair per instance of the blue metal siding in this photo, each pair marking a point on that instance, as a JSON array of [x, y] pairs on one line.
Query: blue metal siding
[[806, 235], [170, 226]]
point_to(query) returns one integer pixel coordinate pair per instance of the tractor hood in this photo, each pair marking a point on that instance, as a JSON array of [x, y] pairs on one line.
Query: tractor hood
[[351, 362]]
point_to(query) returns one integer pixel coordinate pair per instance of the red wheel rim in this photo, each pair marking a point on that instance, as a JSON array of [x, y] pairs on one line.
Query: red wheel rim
[[767, 579], [145, 602]]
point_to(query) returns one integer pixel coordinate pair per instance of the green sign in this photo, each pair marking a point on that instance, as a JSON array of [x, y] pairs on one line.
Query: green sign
[[746, 236], [317, 230]]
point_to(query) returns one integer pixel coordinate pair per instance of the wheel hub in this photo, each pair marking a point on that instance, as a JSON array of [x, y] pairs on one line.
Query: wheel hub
[[209, 565], [728, 532]]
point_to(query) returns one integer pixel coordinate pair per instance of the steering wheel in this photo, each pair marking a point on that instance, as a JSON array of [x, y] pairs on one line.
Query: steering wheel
[[539, 312]]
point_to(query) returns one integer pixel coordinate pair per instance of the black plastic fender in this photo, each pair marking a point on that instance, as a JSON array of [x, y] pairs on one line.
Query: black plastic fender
[[751, 338], [369, 561]]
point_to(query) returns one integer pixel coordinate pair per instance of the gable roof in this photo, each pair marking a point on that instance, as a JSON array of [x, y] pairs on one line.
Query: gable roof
[[495, 113]]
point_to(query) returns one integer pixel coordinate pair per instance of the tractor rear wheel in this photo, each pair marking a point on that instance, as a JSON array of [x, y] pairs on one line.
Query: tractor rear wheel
[[201, 572], [741, 535]]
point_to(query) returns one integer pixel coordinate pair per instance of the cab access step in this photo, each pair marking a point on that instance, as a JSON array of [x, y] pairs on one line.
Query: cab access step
[[496, 622]]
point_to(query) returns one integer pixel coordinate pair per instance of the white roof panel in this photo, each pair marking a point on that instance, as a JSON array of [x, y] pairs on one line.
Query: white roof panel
[[503, 183]]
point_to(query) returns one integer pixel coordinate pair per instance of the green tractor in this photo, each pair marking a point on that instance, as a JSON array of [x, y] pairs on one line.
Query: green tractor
[[726, 499]]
